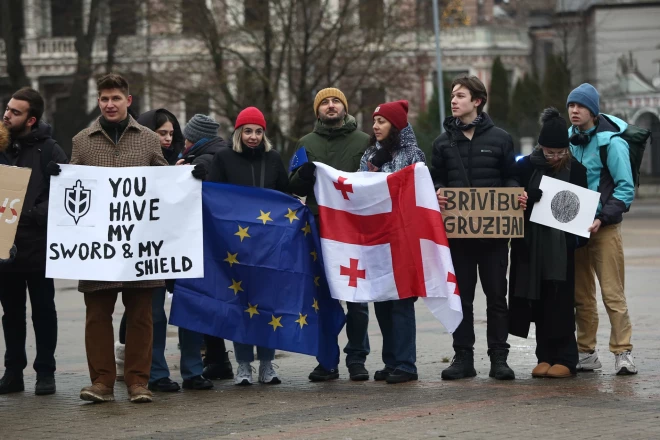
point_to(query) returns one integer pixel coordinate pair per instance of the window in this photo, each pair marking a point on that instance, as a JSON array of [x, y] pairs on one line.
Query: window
[[196, 102], [63, 18], [372, 14], [372, 97], [123, 17], [193, 16], [257, 14]]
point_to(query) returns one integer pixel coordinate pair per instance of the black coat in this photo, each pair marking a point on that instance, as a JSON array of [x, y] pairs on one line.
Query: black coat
[[148, 119], [554, 312], [30, 239], [488, 158], [245, 168]]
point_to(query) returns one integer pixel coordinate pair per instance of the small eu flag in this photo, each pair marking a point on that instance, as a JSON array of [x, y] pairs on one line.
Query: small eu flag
[[298, 159], [264, 282]]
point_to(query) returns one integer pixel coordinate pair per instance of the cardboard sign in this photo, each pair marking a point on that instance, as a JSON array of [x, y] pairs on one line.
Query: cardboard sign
[[13, 185], [483, 213], [564, 206], [125, 224]]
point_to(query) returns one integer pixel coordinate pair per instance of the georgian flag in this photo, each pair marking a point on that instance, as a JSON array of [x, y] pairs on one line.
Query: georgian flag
[[383, 238]]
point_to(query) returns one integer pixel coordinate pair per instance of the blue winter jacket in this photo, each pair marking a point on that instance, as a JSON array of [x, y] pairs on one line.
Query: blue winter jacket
[[614, 182]]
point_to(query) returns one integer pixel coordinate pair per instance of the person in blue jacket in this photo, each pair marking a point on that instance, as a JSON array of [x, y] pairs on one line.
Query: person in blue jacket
[[590, 132]]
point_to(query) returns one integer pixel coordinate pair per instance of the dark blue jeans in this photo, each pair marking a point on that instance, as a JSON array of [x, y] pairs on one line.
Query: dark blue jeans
[[357, 326], [14, 321], [190, 342], [397, 324]]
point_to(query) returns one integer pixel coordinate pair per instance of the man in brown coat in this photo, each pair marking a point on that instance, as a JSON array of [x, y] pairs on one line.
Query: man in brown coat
[[115, 139]]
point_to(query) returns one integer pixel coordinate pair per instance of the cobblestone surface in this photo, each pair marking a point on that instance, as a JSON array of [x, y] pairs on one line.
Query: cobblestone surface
[[592, 405]]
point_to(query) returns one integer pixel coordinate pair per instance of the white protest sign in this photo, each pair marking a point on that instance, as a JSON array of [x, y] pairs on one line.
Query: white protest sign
[[565, 206], [125, 224]]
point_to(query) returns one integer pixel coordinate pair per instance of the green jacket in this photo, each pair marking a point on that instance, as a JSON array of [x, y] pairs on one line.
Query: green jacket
[[341, 148]]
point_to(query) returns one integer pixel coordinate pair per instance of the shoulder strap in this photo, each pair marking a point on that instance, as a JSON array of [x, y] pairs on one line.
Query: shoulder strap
[[263, 171], [464, 175]]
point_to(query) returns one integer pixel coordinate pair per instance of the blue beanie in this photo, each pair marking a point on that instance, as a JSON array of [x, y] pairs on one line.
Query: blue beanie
[[587, 96]]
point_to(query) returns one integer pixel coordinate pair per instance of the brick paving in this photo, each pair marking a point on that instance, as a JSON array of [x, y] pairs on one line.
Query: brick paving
[[592, 405]]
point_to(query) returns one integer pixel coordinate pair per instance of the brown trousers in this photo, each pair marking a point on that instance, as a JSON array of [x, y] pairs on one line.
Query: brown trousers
[[602, 258], [99, 336]]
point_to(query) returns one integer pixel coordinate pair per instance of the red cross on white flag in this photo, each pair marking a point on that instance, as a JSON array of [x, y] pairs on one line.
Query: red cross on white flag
[[387, 239]]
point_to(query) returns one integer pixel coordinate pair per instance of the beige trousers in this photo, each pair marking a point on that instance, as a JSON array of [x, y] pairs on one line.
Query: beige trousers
[[602, 258]]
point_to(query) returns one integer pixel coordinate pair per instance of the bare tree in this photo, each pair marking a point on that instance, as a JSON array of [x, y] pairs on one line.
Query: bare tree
[[10, 22]]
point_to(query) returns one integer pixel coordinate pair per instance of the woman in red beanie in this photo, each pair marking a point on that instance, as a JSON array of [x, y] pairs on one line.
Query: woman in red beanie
[[251, 161], [393, 147]]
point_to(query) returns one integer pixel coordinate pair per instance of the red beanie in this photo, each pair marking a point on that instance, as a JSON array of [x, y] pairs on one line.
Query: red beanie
[[250, 115], [396, 112]]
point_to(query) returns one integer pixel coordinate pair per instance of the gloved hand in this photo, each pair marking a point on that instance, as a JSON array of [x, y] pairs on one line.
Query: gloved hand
[[12, 255], [534, 195], [199, 171], [306, 171], [381, 157], [53, 169]]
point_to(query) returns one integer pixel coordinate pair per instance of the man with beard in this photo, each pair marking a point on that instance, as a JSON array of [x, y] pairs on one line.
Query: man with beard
[[30, 146], [472, 152], [336, 142]]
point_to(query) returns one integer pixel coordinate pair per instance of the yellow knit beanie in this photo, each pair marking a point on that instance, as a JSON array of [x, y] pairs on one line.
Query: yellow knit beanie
[[326, 93]]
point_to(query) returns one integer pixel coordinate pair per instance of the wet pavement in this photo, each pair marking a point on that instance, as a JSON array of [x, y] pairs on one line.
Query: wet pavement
[[591, 405]]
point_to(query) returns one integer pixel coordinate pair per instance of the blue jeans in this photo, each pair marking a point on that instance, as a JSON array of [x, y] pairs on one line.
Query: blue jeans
[[357, 326], [245, 353], [190, 342], [397, 324]]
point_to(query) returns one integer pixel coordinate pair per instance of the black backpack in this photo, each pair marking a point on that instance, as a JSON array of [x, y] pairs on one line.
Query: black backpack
[[636, 138]]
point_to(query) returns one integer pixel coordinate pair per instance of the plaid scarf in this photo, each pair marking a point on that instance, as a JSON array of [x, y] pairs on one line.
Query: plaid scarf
[[464, 127]]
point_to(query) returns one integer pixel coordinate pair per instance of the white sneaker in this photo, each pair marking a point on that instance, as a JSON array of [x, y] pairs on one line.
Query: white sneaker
[[267, 373], [588, 362], [243, 374], [120, 350], [624, 364]]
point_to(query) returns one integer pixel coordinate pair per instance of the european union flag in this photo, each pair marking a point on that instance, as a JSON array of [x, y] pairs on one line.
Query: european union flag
[[263, 282], [298, 159]]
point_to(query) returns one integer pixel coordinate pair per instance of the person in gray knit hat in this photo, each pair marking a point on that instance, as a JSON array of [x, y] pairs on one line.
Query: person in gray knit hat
[[202, 141]]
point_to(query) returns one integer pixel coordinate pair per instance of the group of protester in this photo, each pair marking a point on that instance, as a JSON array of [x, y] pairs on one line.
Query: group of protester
[[551, 280]]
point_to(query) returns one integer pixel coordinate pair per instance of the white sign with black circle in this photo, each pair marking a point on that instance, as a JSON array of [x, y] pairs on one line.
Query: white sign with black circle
[[565, 206], [125, 224]]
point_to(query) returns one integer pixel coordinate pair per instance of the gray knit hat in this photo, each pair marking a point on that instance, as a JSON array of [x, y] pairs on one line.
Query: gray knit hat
[[200, 127]]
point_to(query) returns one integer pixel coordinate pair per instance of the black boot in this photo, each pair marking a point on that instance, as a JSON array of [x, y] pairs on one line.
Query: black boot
[[461, 366], [197, 383], [498, 366], [45, 385], [320, 374], [11, 383], [220, 371]]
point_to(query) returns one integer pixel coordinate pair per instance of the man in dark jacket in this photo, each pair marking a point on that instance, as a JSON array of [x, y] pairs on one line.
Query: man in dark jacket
[[31, 146], [202, 141], [337, 142], [474, 153]]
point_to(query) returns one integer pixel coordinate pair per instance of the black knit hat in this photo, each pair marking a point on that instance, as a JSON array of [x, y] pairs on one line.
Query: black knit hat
[[554, 132]]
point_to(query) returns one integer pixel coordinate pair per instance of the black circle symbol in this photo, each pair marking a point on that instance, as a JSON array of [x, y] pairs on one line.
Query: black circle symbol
[[565, 206]]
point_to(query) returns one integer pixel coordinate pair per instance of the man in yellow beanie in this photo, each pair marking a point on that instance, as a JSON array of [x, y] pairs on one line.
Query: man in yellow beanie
[[336, 142]]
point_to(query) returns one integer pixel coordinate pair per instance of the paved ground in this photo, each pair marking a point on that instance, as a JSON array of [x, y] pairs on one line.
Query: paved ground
[[593, 405]]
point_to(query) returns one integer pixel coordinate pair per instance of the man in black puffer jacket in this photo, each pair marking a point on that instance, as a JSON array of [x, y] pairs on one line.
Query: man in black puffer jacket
[[474, 153], [31, 146]]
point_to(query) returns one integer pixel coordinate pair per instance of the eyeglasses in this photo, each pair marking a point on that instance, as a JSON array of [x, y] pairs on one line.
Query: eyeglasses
[[555, 155]]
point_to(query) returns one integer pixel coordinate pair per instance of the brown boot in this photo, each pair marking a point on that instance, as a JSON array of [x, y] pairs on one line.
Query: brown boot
[[139, 393], [541, 370], [559, 371], [97, 393]]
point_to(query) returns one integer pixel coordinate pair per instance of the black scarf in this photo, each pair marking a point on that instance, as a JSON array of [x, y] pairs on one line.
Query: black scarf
[[546, 246], [465, 127], [114, 129]]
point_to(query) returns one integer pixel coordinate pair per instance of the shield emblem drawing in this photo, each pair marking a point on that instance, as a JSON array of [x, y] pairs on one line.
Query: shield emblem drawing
[[77, 201]]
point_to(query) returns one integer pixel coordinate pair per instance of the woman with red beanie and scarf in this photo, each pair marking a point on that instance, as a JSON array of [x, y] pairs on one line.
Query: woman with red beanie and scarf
[[251, 161], [393, 147]]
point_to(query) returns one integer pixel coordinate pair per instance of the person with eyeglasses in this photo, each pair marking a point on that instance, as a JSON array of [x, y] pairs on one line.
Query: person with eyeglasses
[[592, 132], [542, 277]]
